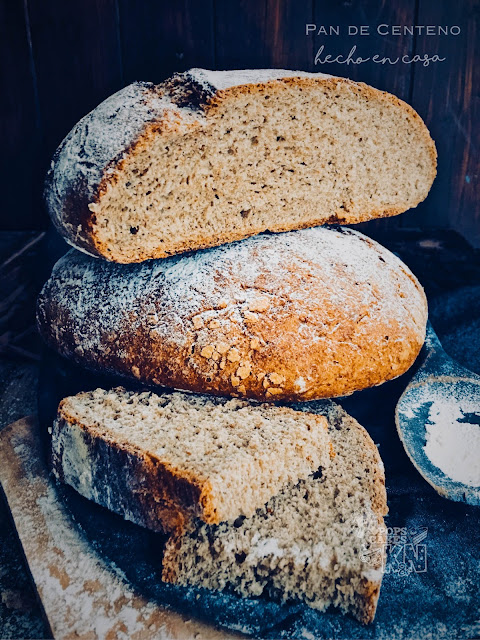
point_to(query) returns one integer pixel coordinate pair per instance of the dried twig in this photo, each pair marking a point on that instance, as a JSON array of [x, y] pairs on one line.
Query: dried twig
[[10, 349], [23, 249]]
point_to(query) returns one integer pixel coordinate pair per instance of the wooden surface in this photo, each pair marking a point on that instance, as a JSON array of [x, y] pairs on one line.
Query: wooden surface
[[83, 595], [60, 59], [22, 268]]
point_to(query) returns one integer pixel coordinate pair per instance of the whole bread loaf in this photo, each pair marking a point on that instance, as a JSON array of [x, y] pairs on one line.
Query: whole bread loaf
[[302, 315], [209, 157], [161, 460], [321, 542]]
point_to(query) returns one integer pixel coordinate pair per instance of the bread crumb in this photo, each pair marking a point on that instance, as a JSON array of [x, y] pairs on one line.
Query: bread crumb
[[136, 371], [260, 304], [222, 348], [244, 371], [233, 355], [255, 344], [250, 317], [273, 391], [235, 381], [207, 351], [276, 378], [214, 324], [197, 322]]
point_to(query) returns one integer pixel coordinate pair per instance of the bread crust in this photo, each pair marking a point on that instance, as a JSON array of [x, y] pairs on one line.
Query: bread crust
[[92, 156], [123, 479], [298, 316]]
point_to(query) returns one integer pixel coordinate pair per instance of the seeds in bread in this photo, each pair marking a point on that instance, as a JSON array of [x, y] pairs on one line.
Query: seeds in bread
[[321, 542], [212, 157], [159, 460], [301, 315]]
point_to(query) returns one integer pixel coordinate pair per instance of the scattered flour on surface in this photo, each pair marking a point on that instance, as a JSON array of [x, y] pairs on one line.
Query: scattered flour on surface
[[453, 443]]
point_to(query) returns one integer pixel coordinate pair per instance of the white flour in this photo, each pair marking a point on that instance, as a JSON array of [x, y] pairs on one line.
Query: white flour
[[453, 443]]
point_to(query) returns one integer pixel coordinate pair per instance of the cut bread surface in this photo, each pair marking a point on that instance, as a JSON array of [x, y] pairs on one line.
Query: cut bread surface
[[212, 157], [321, 542], [161, 459]]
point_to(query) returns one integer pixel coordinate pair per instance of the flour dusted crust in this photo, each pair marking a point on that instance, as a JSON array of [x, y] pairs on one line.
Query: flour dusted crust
[[107, 142], [307, 314], [288, 551]]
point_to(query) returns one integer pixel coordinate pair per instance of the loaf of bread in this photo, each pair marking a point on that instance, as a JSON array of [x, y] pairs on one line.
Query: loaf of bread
[[209, 157], [302, 315], [321, 542], [161, 460]]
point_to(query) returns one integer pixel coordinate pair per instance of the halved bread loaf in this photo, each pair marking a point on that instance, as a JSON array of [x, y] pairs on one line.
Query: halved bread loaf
[[211, 157], [160, 460], [321, 542], [296, 316]]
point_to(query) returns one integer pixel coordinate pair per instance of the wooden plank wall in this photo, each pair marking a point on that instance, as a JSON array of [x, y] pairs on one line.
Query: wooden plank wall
[[59, 59]]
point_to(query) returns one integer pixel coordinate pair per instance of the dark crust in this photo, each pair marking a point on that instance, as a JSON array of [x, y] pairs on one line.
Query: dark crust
[[186, 90], [69, 210], [132, 482], [75, 205]]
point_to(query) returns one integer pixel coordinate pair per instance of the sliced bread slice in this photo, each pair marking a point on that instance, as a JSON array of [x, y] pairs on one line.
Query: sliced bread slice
[[209, 157], [159, 460], [321, 542]]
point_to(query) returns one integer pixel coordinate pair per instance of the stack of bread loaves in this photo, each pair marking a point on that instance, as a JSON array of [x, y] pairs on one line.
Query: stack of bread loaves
[[256, 498]]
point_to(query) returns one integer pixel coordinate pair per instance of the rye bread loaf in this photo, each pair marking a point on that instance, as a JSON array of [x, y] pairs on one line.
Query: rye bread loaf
[[321, 542], [209, 157], [302, 315], [161, 460]]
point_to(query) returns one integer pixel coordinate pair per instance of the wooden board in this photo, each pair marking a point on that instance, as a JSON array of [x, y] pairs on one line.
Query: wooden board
[[84, 597]]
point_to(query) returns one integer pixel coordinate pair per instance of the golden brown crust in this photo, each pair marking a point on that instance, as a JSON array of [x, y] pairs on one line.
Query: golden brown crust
[[224, 322]]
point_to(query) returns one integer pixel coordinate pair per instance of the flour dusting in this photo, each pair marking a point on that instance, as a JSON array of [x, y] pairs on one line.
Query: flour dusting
[[247, 319], [452, 442]]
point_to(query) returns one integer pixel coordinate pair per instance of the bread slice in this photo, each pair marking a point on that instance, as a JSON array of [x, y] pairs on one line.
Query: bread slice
[[209, 157], [296, 316], [159, 460], [321, 542]]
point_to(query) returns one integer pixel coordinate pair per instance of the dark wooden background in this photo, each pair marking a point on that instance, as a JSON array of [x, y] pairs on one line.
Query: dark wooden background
[[60, 58]]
